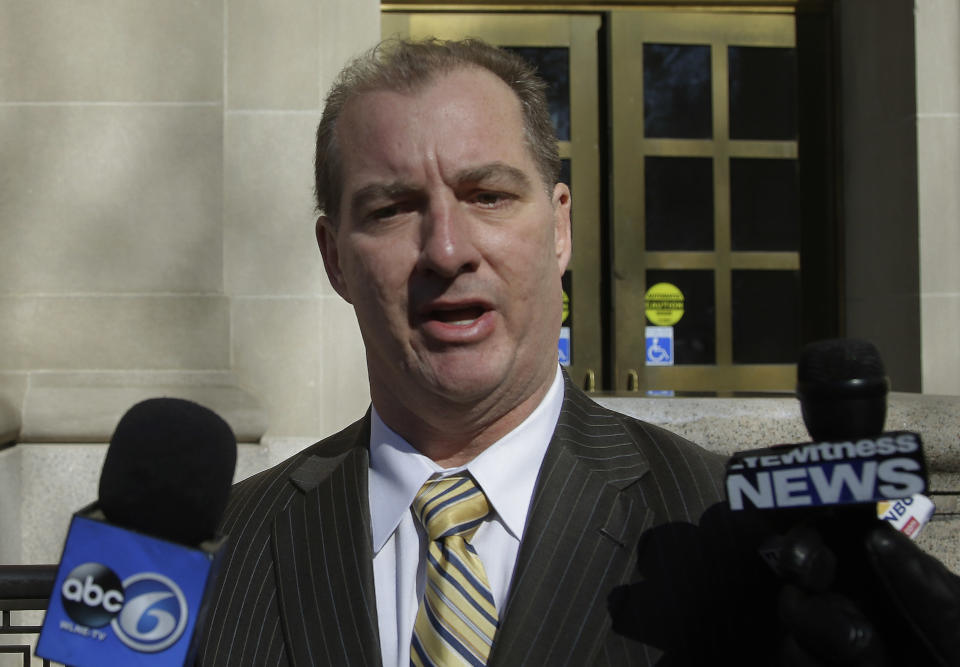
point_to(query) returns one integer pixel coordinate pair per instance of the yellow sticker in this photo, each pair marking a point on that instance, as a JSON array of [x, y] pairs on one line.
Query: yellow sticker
[[566, 306], [664, 304]]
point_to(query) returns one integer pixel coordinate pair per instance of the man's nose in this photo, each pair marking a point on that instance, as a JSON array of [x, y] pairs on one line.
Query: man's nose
[[447, 245]]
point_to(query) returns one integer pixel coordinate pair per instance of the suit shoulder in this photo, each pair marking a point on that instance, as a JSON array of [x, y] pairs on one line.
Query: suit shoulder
[[670, 441], [680, 468], [270, 490], [581, 413], [693, 466]]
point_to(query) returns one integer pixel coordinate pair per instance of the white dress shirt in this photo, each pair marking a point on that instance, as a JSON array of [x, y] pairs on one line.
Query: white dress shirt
[[506, 471]]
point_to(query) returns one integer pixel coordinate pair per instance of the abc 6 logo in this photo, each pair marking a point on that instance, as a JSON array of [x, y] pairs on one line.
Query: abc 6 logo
[[147, 611]]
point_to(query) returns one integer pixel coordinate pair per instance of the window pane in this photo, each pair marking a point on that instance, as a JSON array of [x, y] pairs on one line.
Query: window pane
[[679, 203], [694, 337], [764, 205], [766, 316], [553, 66], [763, 93], [676, 91]]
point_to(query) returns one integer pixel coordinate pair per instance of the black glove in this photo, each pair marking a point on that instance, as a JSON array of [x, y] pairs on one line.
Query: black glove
[[891, 603], [924, 593]]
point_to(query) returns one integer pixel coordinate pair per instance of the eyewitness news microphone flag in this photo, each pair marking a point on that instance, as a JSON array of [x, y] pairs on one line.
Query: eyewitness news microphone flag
[[888, 467], [842, 389], [137, 564]]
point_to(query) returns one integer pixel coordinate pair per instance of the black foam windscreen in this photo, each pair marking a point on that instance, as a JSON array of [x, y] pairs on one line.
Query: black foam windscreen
[[168, 470], [842, 387], [840, 359]]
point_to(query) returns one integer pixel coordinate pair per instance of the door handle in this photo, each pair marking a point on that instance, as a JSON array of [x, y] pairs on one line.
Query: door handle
[[590, 382]]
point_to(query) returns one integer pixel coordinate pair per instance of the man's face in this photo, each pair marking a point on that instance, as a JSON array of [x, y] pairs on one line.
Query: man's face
[[449, 245]]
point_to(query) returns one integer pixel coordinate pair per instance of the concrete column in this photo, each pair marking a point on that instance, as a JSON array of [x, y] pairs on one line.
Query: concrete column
[[938, 151]]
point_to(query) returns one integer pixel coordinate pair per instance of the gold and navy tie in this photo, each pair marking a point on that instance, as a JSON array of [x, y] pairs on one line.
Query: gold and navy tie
[[457, 616]]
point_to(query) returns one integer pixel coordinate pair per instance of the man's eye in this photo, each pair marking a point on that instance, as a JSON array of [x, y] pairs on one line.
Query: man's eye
[[385, 212], [490, 199], [391, 211]]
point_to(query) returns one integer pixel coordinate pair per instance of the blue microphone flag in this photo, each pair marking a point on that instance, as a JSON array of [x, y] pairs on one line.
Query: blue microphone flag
[[889, 466], [124, 598]]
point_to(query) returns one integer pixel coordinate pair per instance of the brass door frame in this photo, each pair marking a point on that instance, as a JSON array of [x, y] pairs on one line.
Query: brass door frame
[[578, 33], [628, 31], [603, 5]]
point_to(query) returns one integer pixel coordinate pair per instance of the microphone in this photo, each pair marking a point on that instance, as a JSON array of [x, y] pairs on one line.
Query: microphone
[[818, 502], [843, 396], [168, 470], [842, 389], [137, 563]]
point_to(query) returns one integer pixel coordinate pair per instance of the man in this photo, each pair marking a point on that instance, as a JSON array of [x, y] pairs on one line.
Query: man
[[602, 540]]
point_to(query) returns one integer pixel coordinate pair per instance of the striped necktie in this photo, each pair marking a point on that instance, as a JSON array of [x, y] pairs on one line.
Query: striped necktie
[[457, 617]]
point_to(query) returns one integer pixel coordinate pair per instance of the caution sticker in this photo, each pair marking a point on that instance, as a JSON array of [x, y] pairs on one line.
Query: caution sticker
[[664, 304]]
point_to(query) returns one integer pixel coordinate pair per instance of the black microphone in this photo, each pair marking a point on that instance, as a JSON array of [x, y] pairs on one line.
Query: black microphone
[[137, 564], [168, 470], [843, 396], [824, 537], [842, 387], [834, 482]]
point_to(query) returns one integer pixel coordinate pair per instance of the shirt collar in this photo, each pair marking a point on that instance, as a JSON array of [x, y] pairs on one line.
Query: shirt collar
[[506, 471]]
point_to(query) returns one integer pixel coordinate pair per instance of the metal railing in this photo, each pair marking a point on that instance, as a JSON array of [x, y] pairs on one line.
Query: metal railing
[[23, 588]]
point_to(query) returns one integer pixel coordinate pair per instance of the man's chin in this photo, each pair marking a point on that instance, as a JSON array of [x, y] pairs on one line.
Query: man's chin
[[468, 379], [484, 383], [469, 388]]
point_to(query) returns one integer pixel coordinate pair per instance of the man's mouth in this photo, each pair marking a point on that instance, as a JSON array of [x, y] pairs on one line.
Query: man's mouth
[[457, 316]]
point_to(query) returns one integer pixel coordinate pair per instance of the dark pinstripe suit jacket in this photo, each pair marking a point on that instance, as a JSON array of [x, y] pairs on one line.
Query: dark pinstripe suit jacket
[[624, 560]]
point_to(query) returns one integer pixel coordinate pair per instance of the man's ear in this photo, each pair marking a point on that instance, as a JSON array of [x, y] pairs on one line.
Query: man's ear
[[562, 233], [327, 240]]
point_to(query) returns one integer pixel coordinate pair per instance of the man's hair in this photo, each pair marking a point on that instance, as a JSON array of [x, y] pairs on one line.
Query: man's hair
[[406, 66]]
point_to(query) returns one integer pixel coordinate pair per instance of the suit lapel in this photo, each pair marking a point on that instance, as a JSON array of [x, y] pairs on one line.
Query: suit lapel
[[324, 558], [580, 540]]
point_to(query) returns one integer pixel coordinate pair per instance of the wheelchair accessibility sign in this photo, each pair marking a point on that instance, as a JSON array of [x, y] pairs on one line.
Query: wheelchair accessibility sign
[[659, 346]]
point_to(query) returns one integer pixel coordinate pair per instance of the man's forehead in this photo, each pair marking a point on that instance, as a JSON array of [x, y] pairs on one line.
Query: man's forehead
[[472, 86], [424, 83], [463, 130]]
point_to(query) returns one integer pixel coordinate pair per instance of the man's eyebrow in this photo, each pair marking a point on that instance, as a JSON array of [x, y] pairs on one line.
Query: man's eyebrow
[[494, 171], [382, 191]]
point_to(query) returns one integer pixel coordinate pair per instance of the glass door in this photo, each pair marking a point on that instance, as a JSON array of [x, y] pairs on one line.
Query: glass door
[[705, 191]]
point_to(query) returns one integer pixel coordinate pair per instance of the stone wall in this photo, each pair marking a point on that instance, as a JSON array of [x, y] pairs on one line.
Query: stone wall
[[938, 150], [43, 482], [156, 206]]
